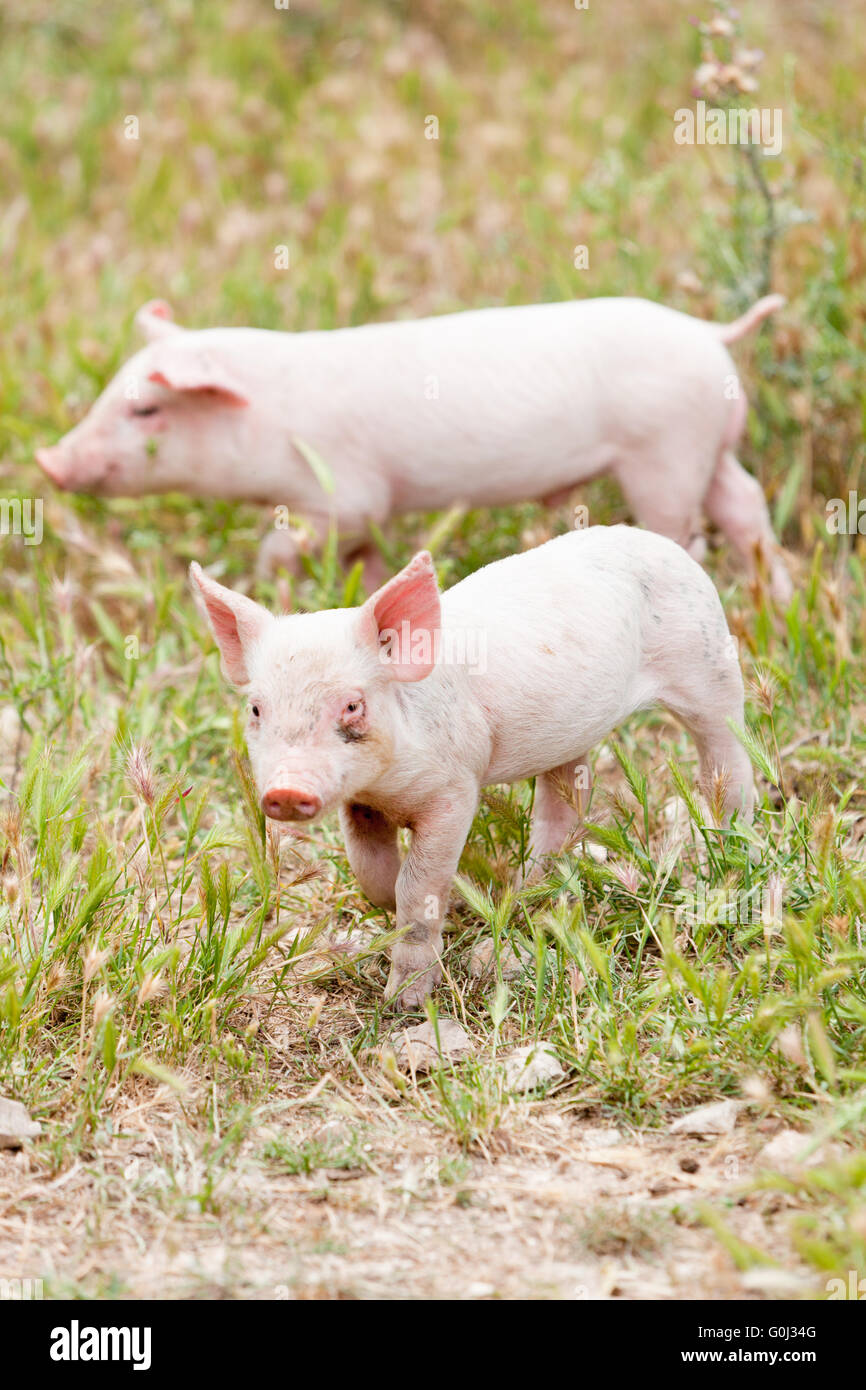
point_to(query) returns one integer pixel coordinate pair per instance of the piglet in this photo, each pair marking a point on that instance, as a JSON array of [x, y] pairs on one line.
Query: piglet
[[397, 713], [485, 408]]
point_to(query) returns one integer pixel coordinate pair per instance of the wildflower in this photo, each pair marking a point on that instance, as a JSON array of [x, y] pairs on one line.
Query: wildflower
[[748, 57], [707, 78], [730, 75]]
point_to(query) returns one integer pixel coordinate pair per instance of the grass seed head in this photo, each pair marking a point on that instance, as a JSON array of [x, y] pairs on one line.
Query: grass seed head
[[103, 1005], [151, 987], [140, 774], [94, 959], [790, 1044]]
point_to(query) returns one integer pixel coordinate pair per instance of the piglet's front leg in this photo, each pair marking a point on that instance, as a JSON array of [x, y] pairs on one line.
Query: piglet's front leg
[[285, 546], [423, 890]]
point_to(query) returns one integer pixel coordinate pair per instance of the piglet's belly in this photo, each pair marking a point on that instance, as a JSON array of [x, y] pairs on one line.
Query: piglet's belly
[[535, 746]]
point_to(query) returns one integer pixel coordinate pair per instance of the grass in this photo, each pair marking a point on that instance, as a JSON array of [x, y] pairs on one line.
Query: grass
[[190, 1004]]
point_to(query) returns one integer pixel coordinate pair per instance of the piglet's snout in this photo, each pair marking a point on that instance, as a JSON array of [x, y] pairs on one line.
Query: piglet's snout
[[290, 803], [75, 469], [51, 462]]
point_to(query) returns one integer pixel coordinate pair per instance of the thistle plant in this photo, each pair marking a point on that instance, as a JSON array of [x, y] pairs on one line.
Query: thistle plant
[[727, 76]]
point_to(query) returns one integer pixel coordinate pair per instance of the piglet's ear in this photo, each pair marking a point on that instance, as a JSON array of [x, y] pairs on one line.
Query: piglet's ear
[[403, 619], [154, 320], [177, 366], [237, 623]]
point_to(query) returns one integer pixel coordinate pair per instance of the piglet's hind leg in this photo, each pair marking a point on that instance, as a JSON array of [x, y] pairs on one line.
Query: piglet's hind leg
[[725, 769], [561, 798], [736, 504]]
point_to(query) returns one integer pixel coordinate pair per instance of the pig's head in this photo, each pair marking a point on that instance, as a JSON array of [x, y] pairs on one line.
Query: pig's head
[[325, 690], [174, 412]]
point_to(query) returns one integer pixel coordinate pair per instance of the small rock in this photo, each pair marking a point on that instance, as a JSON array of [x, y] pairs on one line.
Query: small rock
[[417, 1049], [776, 1283], [529, 1066], [479, 1290], [688, 1164], [513, 960], [336, 1133], [600, 1137], [784, 1149], [15, 1124], [660, 1187], [717, 1118]]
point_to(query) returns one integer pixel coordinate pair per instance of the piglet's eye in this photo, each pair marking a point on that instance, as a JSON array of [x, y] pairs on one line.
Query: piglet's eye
[[145, 410], [353, 710], [255, 711]]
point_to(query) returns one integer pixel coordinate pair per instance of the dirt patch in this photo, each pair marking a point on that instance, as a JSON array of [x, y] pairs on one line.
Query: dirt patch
[[337, 1199]]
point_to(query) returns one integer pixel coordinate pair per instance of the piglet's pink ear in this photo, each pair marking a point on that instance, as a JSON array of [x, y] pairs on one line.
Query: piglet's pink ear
[[237, 623], [154, 320], [403, 620], [179, 368]]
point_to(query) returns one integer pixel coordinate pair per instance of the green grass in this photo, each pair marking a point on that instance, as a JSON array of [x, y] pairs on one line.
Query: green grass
[[164, 957]]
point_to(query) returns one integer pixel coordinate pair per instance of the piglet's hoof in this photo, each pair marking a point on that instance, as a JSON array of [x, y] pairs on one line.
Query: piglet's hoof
[[410, 984]]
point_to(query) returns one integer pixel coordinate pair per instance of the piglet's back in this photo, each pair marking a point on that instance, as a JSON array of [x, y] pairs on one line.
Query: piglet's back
[[593, 598]]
